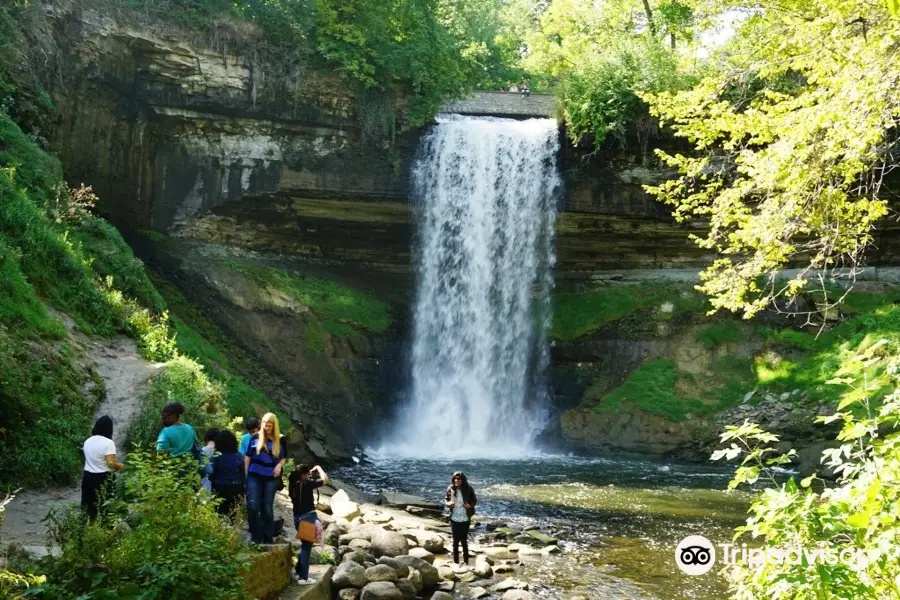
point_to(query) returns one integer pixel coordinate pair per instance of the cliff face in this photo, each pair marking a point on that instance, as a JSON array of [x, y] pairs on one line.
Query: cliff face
[[230, 155]]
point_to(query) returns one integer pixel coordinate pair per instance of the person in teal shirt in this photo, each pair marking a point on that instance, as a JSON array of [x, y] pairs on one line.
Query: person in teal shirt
[[252, 426], [176, 438]]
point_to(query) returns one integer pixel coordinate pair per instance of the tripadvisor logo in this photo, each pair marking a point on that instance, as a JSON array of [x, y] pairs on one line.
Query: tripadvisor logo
[[695, 555]]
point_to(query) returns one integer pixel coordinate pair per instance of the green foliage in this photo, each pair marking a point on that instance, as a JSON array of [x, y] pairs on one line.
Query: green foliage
[[199, 338], [605, 55], [720, 333], [181, 380], [111, 257], [575, 315], [809, 360], [600, 97], [858, 515], [341, 308], [651, 387], [158, 538], [792, 135], [41, 388]]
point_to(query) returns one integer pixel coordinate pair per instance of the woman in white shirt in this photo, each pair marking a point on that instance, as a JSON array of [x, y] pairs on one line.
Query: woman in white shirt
[[99, 461]]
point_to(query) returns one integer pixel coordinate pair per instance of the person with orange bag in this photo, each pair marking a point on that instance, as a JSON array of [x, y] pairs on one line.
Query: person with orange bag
[[301, 483]]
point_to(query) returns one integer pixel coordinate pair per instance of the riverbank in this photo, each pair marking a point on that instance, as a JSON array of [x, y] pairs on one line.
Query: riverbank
[[617, 518]]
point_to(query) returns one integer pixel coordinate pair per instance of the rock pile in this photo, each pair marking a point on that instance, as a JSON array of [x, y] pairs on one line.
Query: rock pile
[[388, 553]]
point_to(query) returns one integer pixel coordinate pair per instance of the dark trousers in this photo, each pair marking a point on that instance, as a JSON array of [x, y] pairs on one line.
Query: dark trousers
[[92, 486], [261, 508], [230, 495], [302, 568], [460, 536]]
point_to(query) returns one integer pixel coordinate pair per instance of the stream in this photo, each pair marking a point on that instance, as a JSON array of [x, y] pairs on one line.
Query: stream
[[617, 518]]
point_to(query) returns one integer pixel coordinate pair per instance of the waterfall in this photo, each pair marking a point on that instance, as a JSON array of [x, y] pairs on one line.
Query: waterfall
[[485, 192]]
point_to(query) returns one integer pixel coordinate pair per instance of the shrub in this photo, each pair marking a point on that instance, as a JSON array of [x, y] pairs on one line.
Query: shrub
[[858, 514], [158, 538], [181, 380]]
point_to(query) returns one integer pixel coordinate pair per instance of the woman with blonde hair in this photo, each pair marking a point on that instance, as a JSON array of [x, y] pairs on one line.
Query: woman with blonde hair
[[263, 463]]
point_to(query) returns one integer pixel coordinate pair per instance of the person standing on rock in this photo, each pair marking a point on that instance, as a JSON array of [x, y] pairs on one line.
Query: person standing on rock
[[300, 488], [263, 464], [461, 500], [99, 461]]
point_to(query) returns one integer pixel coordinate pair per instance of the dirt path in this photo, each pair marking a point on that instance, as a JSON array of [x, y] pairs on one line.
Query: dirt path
[[125, 373]]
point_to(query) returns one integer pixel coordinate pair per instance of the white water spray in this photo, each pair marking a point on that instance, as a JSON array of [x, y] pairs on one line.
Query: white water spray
[[485, 191]]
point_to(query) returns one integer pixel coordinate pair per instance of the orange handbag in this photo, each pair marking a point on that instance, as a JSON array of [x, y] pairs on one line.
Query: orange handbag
[[306, 532]]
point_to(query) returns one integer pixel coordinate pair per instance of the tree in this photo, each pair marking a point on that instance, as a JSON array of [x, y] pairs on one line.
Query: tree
[[794, 132]]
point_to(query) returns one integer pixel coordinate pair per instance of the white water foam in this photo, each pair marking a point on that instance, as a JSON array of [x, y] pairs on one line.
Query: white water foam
[[485, 194]]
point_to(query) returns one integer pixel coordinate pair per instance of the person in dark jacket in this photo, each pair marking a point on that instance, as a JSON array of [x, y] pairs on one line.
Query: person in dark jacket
[[461, 500], [300, 489], [227, 474]]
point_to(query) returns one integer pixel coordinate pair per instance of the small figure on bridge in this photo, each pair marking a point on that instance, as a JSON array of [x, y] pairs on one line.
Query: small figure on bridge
[[525, 88]]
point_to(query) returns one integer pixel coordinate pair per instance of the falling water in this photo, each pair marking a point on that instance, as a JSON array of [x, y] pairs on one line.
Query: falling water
[[485, 192]]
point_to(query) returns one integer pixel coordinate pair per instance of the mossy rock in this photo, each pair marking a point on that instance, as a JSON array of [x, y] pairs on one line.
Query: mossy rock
[[269, 572]]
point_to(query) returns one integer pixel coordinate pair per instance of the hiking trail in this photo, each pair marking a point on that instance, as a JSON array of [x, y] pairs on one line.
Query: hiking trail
[[125, 374]]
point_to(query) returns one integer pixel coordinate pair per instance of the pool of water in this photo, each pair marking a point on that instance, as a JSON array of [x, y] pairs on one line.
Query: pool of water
[[618, 518]]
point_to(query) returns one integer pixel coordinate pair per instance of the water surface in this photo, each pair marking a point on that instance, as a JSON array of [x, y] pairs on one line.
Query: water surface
[[619, 518]]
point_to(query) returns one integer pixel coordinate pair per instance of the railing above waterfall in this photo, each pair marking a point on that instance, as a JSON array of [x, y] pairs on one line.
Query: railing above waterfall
[[504, 104]]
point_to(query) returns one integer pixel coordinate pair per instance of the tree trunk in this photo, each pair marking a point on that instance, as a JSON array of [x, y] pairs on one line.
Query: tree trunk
[[649, 14]]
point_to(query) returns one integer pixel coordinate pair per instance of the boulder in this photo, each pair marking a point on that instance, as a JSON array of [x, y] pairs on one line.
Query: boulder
[[345, 510], [358, 556], [401, 569], [376, 517], [428, 540], [353, 493], [403, 501], [381, 573], [550, 550], [406, 588], [430, 577], [482, 568], [447, 573], [360, 544], [510, 584], [348, 594], [332, 535], [441, 596], [388, 543], [541, 537], [342, 507], [518, 595], [478, 592], [501, 569], [348, 575], [415, 578], [381, 590], [423, 554], [501, 552]]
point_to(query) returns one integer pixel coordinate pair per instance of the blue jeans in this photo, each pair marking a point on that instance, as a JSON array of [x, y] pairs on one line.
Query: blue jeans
[[305, 547], [261, 508]]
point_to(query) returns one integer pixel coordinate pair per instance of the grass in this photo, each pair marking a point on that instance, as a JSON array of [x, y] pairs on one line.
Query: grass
[[576, 315], [720, 333], [791, 360], [198, 337], [652, 387], [340, 308]]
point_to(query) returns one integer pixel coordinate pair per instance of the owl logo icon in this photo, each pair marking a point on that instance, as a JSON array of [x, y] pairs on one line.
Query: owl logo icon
[[695, 555]]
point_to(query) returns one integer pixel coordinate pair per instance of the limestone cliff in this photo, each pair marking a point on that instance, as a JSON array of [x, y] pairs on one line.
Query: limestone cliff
[[271, 161]]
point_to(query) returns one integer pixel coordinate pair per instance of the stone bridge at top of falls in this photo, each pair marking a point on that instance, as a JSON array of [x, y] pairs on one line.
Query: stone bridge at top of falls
[[504, 104]]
